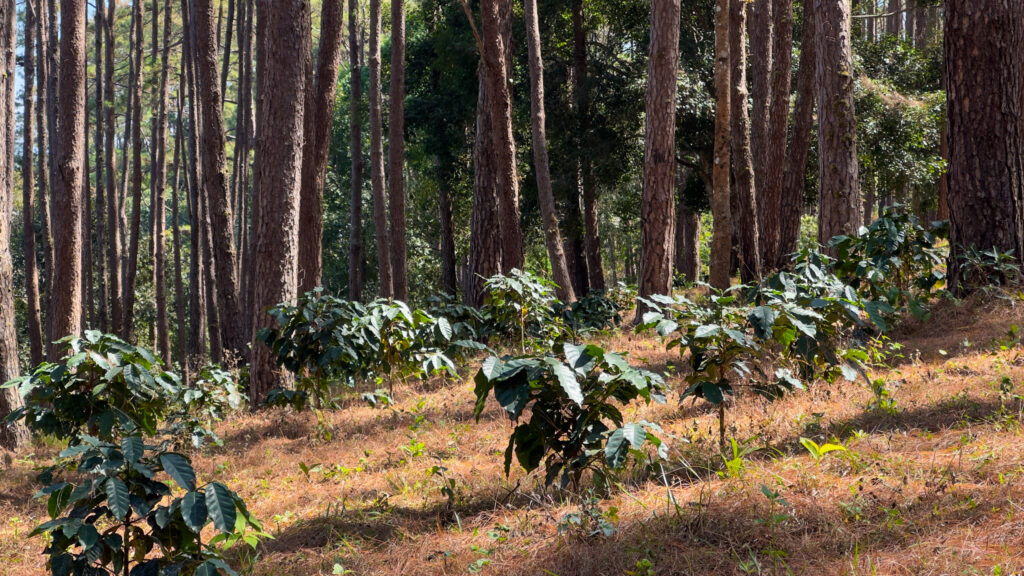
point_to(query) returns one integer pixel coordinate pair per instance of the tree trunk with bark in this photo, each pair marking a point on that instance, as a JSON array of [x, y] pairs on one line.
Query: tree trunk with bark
[[35, 325], [485, 222], [778, 124], [160, 183], [750, 239], [66, 299], [494, 16], [137, 71], [792, 204], [114, 270], [657, 231], [585, 167], [985, 95], [396, 154], [542, 168], [687, 256], [356, 245], [761, 42], [839, 202], [282, 85], [214, 160], [721, 242], [317, 145], [11, 436], [380, 199]]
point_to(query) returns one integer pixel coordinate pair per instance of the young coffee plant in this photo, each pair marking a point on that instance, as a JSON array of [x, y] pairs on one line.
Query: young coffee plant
[[522, 307], [111, 511], [211, 397], [895, 259], [574, 420], [595, 312]]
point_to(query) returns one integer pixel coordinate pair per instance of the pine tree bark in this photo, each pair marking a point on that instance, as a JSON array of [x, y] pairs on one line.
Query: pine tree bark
[[687, 255], [792, 203], [839, 202], [585, 166], [380, 199], [396, 154], [100, 245], [494, 17], [485, 222], [66, 299], [283, 83], [542, 168], [894, 20], [317, 145], [721, 242], [657, 212], [44, 158], [761, 63], [984, 77], [356, 245], [778, 124], [181, 336], [159, 186], [750, 239], [138, 69], [114, 269], [214, 161], [11, 437], [35, 326]]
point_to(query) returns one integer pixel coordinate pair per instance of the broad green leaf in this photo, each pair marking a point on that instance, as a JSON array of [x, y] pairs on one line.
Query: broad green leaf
[[221, 506], [133, 448], [762, 319], [567, 379], [179, 468], [193, 511], [117, 498]]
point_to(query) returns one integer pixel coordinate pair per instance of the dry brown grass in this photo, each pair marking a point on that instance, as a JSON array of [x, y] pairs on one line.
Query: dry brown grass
[[936, 489]]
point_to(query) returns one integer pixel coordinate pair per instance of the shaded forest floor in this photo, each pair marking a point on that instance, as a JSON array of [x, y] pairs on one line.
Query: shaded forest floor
[[936, 487]]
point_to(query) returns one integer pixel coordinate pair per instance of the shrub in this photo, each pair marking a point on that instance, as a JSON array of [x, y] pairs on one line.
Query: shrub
[[107, 399], [521, 305], [213, 395], [573, 397], [894, 259]]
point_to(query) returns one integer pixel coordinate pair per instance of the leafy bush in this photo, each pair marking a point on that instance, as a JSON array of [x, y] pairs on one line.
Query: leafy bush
[[523, 304], [327, 341], [988, 267], [103, 387], [894, 259], [212, 396], [598, 310], [107, 399], [573, 397]]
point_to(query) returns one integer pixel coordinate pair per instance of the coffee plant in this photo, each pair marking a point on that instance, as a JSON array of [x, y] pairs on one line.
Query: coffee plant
[[573, 398], [522, 306], [111, 511]]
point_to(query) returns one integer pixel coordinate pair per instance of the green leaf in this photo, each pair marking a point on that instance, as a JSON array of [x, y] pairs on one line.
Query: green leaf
[[117, 498], [221, 506], [180, 469], [88, 536], [193, 511], [133, 448], [617, 449], [58, 500], [707, 331], [567, 379], [762, 319], [713, 393]]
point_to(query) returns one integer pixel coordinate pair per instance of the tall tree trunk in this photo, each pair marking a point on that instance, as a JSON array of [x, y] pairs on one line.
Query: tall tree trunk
[[180, 348], [721, 242], [791, 207], [35, 326], [485, 222], [778, 123], [657, 212], [552, 236], [317, 145], [197, 290], [44, 156], [493, 13], [89, 309], [396, 153], [114, 273], [11, 437], [283, 84], [355, 243], [380, 200], [214, 159], [575, 249], [761, 43], [101, 197], [839, 203], [449, 280], [159, 186], [138, 69], [214, 315], [750, 239], [585, 167], [687, 254], [894, 20], [227, 47], [66, 300], [985, 95]]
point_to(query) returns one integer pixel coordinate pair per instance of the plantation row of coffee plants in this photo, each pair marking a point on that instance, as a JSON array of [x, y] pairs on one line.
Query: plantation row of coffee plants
[[123, 497]]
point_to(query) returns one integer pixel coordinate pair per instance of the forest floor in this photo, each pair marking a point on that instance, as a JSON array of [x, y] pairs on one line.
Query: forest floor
[[935, 486]]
